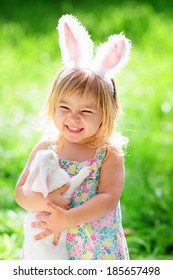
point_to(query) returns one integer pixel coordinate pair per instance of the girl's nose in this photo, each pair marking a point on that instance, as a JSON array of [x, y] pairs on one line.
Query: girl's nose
[[74, 116]]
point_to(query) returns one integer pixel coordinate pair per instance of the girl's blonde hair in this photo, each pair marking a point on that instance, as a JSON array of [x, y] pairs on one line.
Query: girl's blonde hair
[[85, 82]]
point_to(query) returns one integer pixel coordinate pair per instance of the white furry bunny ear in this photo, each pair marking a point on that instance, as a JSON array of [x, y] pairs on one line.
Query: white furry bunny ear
[[112, 56], [75, 43]]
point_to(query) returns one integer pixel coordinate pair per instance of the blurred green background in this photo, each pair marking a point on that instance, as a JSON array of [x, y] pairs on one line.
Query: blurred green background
[[30, 59]]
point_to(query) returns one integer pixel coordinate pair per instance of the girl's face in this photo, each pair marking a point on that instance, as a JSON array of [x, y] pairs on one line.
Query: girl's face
[[78, 119]]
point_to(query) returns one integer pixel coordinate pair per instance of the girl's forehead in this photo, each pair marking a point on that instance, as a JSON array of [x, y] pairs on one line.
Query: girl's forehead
[[88, 99]]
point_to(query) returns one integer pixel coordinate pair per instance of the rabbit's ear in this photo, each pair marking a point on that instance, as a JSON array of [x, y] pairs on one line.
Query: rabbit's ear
[[112, 56], [75, 43], [34, 169], [71, 44], [45, 180]]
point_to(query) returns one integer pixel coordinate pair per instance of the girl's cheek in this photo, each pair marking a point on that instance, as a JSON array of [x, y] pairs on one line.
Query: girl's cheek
[[59, 115]]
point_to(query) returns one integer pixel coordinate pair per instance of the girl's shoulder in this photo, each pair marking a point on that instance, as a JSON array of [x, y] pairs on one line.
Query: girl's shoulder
[[112, 172], [111, 152], [107, 156], [40, 145]]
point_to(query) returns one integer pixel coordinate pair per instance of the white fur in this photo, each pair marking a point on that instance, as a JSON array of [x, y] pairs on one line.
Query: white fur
[[46, 176], [101, 52], [83, 40], [78, 41]]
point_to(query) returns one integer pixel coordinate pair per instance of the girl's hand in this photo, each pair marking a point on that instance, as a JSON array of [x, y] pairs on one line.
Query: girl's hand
[[56, 222], [57, 198]]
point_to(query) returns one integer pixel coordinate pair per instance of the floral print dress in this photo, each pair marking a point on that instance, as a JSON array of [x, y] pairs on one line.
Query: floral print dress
[[102, 239]]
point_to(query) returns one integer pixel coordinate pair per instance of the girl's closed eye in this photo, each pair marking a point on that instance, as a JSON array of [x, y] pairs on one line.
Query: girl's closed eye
[[87, 111], [64, 107]]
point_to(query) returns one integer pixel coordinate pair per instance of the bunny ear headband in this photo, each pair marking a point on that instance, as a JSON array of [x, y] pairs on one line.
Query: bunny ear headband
[[77, 49]]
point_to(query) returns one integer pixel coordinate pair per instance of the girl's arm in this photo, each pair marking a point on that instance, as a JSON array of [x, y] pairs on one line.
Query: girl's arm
[[109, 192], [35, 202]]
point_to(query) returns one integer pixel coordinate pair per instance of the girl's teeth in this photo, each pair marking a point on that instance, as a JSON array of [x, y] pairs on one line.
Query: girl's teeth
[[74, 128]]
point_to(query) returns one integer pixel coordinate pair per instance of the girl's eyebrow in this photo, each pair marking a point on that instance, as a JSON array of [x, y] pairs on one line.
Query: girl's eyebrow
[[90, 106], [63, 102]]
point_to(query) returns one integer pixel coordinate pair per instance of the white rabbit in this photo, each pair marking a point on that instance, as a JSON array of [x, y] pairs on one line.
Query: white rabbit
[[45, 176]]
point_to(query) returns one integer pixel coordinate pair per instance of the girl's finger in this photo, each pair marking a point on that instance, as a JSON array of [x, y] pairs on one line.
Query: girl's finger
[[42, 217], [64, 188], [56, 238], [43, 234], [38, 224], [52, 207]]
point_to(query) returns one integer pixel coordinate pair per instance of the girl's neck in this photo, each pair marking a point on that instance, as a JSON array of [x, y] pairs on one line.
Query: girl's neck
[[75, 152]]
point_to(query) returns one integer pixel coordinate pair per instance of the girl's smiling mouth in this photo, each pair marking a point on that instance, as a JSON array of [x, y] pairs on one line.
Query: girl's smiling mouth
[[73, 129]]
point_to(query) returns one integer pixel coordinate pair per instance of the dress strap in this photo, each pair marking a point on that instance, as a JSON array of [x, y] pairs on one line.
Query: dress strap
[[51, 146], [100, 156]]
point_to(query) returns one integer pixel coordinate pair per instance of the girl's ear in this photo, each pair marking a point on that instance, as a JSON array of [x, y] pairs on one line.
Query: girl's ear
[[75, 43], [112, 56]]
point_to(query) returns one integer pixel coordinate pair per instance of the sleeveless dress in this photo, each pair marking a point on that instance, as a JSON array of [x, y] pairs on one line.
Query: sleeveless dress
[[102, 239]]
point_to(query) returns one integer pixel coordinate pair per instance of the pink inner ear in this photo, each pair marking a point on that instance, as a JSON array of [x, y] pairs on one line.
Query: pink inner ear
[[71, 44], [46, 185], [113, 55], [48, 182]]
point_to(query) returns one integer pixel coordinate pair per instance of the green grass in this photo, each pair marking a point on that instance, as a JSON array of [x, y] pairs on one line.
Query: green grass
[[30, 58]]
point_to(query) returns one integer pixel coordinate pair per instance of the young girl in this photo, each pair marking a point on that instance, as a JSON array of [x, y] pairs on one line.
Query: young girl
[[83, 107]]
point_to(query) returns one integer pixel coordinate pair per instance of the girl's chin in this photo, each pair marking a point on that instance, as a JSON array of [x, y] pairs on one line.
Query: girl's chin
[[74, 137]]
